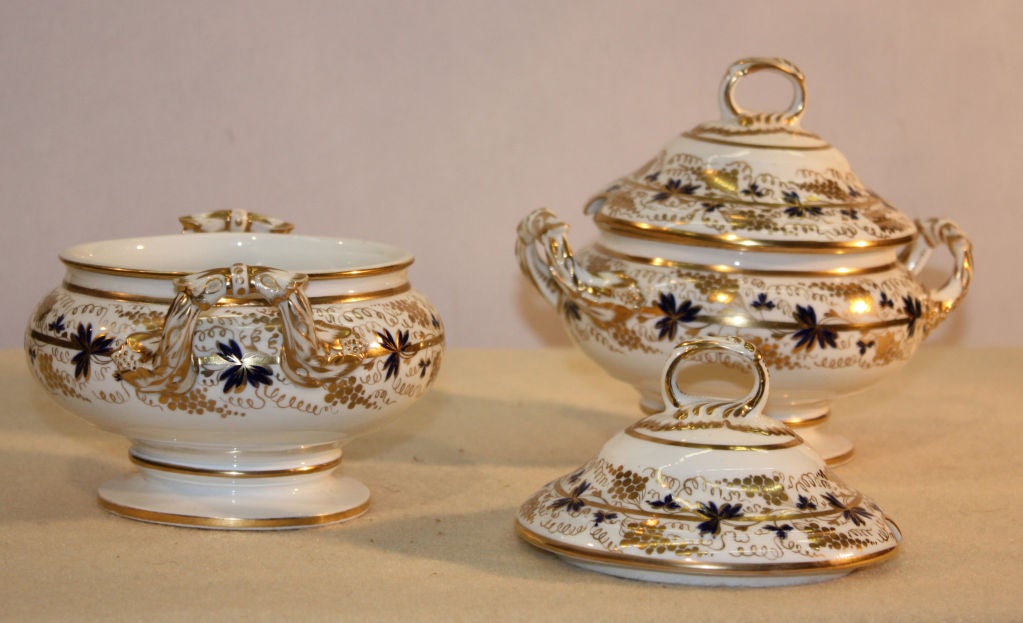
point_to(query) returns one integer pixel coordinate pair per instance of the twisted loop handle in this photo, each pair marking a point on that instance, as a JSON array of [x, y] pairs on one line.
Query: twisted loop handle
[[233, 221], [749, 405], [933, 232], [545, 256], [730, 111], [306, 357]]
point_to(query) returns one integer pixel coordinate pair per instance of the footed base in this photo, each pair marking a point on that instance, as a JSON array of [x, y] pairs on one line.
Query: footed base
[[699, 579], [235, 503], [835, 449]]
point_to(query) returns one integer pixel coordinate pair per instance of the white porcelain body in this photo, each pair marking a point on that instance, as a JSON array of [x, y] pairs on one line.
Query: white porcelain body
[[751, 226], [758, 298], [709, 492], [247, 418], [663, 544], [827, 324]]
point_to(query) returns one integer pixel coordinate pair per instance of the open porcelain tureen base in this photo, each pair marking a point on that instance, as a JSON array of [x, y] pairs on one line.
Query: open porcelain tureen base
[[239, 363], [710, 492]]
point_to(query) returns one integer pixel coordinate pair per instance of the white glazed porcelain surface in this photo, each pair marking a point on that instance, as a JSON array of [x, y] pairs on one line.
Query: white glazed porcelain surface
[[753, 179], [238, 364], [752, 227], [709, 492], [179, 255]]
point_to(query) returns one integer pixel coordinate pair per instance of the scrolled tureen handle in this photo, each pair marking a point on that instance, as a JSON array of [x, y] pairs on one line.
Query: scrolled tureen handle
[[546, 258], [234, 221], [933, 232], [311, 354], [730, 111], [750, 405]]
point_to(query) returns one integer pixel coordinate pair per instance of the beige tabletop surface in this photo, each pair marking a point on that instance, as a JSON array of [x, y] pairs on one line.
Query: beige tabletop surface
[[938, 447]]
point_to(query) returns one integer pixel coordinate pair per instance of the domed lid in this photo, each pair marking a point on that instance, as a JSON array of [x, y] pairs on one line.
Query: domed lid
[[755, 181], [710, 491]]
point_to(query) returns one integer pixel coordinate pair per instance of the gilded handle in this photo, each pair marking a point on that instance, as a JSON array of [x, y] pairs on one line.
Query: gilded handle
[[233, 221], [749, 405], [933, 232], [546, 258], [544, 253], [311, 353], [730, 111]]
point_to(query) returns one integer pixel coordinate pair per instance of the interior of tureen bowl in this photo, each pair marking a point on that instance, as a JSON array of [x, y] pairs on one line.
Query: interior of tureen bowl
[[183, 254]]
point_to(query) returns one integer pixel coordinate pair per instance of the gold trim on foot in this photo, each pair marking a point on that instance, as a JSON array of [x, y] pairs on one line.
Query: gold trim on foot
[[238, 523], [232, 473]]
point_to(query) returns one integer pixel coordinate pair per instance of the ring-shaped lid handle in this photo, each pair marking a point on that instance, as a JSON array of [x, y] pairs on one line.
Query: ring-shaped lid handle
[[730, 111], [749, 405]]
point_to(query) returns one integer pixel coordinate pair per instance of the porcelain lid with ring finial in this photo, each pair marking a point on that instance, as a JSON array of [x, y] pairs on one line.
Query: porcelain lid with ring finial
[[709, 492], [753, 181]]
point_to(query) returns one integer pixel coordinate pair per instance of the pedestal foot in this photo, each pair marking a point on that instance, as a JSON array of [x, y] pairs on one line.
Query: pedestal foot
[[195, 499]]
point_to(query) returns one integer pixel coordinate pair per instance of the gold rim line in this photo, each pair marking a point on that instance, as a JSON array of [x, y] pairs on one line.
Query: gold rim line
[[230, 522], [681, 425], [228, 473], [228, 301], [721, 141], [732, 270], [867, 201], [53, 341], [739, 321], [804, 422], [633, 432], [841, 458], [734, 320], [702, 568], [744, 322], [715, 128], [168, 274], [646, 231], [378, 351], [697, 517]]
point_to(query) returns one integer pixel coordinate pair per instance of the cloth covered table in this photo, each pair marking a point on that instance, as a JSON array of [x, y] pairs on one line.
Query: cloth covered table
[[938, 446]]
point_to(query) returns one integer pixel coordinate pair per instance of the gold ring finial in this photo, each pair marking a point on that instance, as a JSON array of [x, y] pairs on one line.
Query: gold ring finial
[[730, 111]]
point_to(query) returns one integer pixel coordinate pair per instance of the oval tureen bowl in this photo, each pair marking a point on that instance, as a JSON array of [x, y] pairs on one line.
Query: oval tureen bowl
[[238, 364], [755, 227]]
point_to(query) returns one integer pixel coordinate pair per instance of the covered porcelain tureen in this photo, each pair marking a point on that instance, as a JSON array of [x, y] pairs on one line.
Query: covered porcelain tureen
[[755, 227]]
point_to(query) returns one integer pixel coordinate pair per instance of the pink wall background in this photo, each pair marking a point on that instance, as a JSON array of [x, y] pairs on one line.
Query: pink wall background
[[437, 125]]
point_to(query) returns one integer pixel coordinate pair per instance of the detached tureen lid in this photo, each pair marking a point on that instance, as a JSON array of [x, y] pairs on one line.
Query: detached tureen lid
[[711, 492], [755, 181]]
